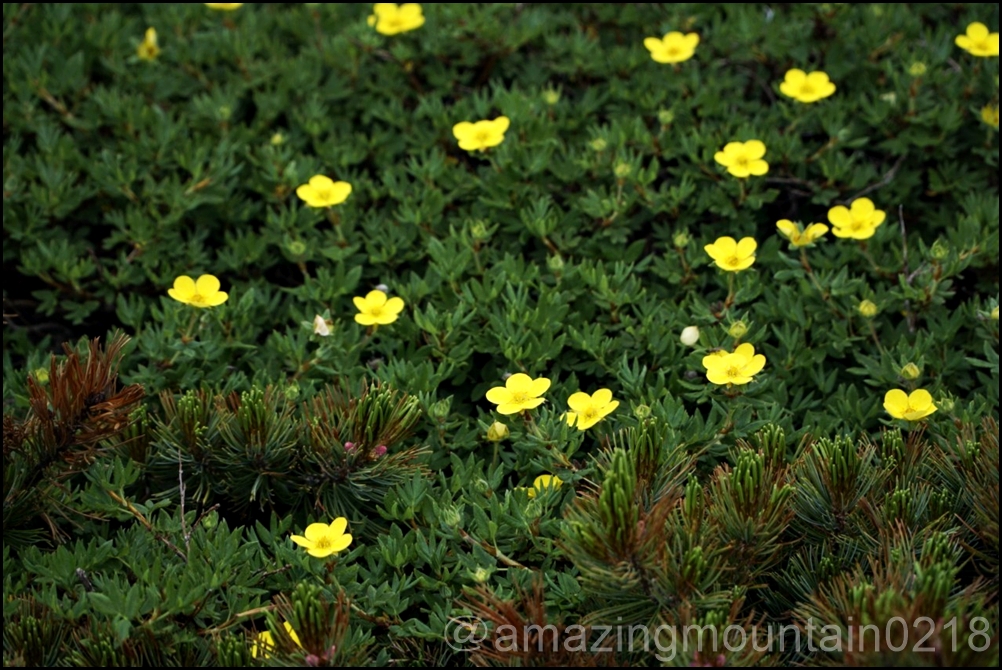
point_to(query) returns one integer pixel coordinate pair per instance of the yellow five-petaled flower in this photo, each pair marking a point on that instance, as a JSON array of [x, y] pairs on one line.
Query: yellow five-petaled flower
[[909, 406], [738, 367], [375, 309], [148, 49], [743, 159], [323, 191], [798, 237], [389, 18], [977, 41], [587, 410], [731, 255], [224, 6], [806, 87], [674, 47], [482, 134], [519, 393], [858, 222], [322, 540], [201, 293], [542, 483]]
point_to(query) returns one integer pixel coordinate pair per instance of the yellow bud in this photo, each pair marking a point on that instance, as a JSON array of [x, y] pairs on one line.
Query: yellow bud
[[481, 575], [42, 375], [622, 170], [551, 96], [995, 313], [497, 432], [917, 69], [666, 116], [277, 138], [681, 239], [598, 144], [910, 371], [737, 330], [868, 309]]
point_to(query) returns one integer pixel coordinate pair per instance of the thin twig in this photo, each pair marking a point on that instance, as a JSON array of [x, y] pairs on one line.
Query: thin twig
[[884, 181]]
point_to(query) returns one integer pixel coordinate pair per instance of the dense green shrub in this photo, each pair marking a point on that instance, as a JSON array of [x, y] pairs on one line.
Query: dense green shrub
[[159, 457]]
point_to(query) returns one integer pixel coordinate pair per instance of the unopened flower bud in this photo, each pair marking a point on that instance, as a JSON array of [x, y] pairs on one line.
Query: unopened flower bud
[[481, 575], [939, 250], [349, 447], [995, 315], [917, 69], [555, 263], [945, 404], [910, 371], [622, 170], [479, 231], [277, 139], [551, 96], [681, 239], [42, 375], [598, 144], [665, 116], [379, 451], [292, 391], [738, 330], [497, 432], [690, 336], [450, 517], [641, 412], [383, 287], [440, 409], [297, 247], [868, 309]]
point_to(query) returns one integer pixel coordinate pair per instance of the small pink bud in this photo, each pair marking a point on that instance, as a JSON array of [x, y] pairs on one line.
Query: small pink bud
[[312, 660], [379, 451], [349, 447]]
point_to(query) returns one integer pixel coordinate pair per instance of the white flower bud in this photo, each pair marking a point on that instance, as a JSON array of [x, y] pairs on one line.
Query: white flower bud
[[690, 336]]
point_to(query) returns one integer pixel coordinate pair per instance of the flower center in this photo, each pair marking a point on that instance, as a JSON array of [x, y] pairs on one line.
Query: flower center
[[590, 413], [733, 261], [741, 161], [375, 311], [198, 299], [323, 194], [482, 136], [518, 398], [672, 51], [807, 89], [324, 543]]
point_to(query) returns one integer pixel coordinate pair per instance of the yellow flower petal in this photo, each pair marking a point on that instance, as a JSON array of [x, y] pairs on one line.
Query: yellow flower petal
[[375, 298], [316, 531], [206, 285], [339, 525], [920, 400], [601, 397], [184, 288], [579, 402], [519, 383], [539, 386], [754, 149], [896, 403]]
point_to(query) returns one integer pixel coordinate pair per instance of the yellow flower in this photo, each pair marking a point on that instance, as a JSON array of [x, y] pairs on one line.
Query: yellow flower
[[543, 482], [519, 393], [910, 407], [674, 47], [978, 41], [806, 87], [148, 49], [224, 6], [322, 540], [264, 642], [375, 309], [732, 256], [202, 293], [868, 309], [858, 223], [497, 432], [389, 18], [587, 410], [798, 237], [990, 115], [743, 158], [322, 191], [739, 367], [482, 134]]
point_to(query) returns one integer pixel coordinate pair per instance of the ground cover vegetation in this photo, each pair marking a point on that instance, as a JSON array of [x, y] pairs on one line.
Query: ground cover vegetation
[[368, 334]]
